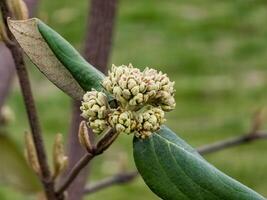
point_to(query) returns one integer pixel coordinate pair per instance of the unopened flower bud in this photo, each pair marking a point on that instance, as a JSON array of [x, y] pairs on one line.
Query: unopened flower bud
[[122, 121], [149, 121], [30, 153], [19, 9], [84, 138], [94, 105], [60, 161], [98, 125]]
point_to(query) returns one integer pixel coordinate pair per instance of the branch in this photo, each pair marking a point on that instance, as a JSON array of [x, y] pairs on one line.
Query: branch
[[114, 180], [109, 137], [17, 54], [75, 171], [97, 50], [217, 146], [7, 68]]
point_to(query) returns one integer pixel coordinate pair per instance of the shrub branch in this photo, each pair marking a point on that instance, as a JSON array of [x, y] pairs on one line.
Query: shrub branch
[[17, 54]]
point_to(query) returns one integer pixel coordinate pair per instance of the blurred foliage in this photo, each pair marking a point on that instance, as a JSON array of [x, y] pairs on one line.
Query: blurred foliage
[[215, 51]]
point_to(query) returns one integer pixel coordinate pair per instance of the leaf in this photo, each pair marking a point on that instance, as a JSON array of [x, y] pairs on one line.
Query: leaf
[[55, 57], [86, 75], [175, 171], [14, 170]]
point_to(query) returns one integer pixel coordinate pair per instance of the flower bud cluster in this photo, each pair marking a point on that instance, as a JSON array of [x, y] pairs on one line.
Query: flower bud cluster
[[142, 98], [163, 88], [149, 121], [95, 109], [126, 84], [123, 121], [133, 88]]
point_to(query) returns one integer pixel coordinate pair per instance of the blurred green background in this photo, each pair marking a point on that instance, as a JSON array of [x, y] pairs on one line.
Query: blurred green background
[[215, 51]]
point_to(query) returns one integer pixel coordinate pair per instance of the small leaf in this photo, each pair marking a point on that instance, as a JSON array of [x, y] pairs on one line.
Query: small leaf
[[28, 36], [14, 170], [175, 171]]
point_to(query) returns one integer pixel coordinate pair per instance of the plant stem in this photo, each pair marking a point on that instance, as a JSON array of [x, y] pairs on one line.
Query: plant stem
[[74, 172], [97, 50], [118, 179], [17, 54], [217, 146], [7, 68]]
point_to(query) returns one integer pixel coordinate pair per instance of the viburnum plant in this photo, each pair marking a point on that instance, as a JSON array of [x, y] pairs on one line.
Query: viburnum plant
[[129, 101]]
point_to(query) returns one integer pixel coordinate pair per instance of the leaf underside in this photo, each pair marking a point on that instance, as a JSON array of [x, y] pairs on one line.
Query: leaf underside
[[175, 171], [28, 36]]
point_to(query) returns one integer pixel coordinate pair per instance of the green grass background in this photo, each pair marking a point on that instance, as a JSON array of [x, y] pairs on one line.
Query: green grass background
[[215, 51]]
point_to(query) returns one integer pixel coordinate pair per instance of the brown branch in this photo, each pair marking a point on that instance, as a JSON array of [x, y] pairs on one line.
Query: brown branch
[[97, 50], [7, 68], [17, 54], [217, 146], [74, 172], [75, 153], [109, 137], [118, 179]]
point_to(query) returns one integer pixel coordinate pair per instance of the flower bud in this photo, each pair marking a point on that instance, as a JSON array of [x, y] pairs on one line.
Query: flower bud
[[30, 154], [122, 121], [19, 9], [60, 161], [149, 121], [83, 136], [94, 105]]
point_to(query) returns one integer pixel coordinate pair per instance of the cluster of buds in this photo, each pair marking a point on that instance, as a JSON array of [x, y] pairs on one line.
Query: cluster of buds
[[123, 121], [149, 121], [142, 98], [95, 110], [133, 88]]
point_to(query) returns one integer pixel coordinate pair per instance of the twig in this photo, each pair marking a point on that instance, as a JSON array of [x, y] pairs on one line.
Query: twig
[[97, 50], [114, 180], [217, 146], [7, 68], [74, 172], [17, 54], [101, 146]]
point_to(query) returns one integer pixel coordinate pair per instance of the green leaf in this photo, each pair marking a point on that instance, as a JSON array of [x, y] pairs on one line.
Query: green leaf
[[14, 170], [175, 171], [86, 75], [55, 57]]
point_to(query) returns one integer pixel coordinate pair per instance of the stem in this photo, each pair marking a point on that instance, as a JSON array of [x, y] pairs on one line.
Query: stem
[[217, 146], [7, 68], [17, 54], [98, 39], [114, 180], [74, 172]]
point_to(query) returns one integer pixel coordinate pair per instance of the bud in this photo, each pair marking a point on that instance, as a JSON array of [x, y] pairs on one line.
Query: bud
[[30, 153], [83, 135], [122, 121], [19, 9], [98, 125], [6, 115], [149, 121], [94, 105], [3, 35], [125, 83], [60, 161]]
